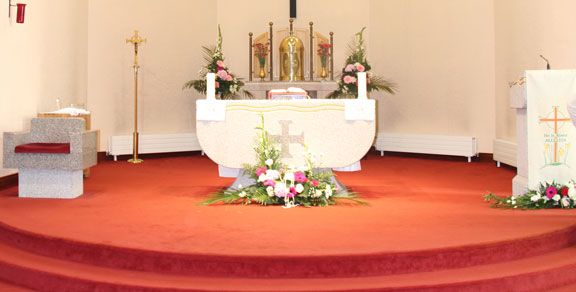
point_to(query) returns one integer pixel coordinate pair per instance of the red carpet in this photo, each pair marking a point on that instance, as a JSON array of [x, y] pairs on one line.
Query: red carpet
[[140, 227]]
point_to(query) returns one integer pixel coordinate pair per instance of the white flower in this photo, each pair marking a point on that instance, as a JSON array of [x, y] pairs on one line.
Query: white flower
[[556, 198], [280, 190], [535, 198], [240, 186], [272, 174], [572, 191], [299, 188], [318, 194], [263, 177], [289, 176], [242, 194], [269, 162], [328, 191], [270, 191], [565, 202]]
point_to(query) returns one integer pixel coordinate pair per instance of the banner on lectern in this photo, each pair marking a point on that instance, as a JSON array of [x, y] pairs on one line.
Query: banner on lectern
[[551, 134]]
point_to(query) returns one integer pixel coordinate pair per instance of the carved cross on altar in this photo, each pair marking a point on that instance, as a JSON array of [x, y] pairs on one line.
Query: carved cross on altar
[[285, 139]]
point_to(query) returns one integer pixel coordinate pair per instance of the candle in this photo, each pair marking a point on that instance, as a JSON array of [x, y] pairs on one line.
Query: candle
[[211, 86], [362, 85]]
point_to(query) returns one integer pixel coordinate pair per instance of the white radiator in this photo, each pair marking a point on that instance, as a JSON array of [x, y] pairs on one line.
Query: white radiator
[[504, 152], [428, 144], [165, 143]]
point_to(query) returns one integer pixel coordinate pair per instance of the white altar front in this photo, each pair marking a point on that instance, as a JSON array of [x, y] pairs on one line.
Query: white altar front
[[545, 133], [337, 132], [315, 89]]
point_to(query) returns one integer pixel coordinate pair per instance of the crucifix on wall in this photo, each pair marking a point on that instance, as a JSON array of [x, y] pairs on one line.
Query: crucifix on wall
[[292, 8]]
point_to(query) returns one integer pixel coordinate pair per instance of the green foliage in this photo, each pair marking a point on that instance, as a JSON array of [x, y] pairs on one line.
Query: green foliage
[[357, 62]]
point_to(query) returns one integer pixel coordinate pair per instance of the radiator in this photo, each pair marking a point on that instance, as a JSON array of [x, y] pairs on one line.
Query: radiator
[[504, 152], [428, 144], [165, 143]]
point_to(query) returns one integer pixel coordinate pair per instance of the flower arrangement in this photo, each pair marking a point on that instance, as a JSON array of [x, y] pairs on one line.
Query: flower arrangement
[[357, 62], [278, 184], [261, 52], [227, 85], [324, 53], [548, 195]]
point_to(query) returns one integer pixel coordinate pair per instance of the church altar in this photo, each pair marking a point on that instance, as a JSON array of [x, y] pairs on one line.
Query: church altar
[[337, 133], [315, 89]]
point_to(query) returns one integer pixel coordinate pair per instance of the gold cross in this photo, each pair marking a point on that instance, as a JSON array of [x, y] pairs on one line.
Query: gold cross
[[136, 40], [285, 139], [555, 120]]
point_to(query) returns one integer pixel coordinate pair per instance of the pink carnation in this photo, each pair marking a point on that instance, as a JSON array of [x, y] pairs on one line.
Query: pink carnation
[[222, 74], [315, 183], [360, 67], [551, 192], [349, 79], [300, 177], [217, 84], [269, 183], [220, 64], [349, 68], [261, 170], [229, 77]]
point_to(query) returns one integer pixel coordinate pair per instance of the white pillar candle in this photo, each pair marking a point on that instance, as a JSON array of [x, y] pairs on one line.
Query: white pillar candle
[[211, 86], [362, 92]]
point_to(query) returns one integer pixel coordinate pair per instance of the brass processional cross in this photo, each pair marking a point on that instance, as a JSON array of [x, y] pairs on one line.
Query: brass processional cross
[[136, 40]]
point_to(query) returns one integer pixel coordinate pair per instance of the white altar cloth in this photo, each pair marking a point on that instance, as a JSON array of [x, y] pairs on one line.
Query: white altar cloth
[[321, 125]]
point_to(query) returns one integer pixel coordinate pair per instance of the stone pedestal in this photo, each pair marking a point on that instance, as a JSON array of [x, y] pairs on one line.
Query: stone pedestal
[[50, 183], [315, 89]]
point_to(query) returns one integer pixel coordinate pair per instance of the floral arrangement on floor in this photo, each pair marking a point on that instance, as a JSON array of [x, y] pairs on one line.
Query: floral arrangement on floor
[[228, 86], [357, 62], [548, 195], [278, 184]]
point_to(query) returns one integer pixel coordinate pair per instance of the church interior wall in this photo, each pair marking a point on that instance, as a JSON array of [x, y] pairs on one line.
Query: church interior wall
[[41, 61], [452, 60], [526, 29], [441, 55]]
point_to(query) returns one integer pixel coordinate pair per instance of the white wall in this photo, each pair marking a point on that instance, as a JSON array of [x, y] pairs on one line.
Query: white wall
[[41, 60], [441, 55], [524, 30], [175, 30]]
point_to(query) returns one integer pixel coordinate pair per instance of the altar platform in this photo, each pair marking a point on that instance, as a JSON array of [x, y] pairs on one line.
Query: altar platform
[[315, 89], [141, 227]]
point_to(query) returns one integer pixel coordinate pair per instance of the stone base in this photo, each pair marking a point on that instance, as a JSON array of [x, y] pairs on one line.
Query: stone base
[[50, 183], [519, 185]]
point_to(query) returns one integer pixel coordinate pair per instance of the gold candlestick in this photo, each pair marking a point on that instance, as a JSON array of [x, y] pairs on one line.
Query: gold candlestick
[[136, 40]]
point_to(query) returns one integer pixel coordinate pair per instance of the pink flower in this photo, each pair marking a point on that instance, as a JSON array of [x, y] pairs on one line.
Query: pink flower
[[261, 170], [222, 74], [217, 84], [290, 195], [220, 64], [551, 192], [360, 67], [349, 68], [229, 77], [349, 79], [292, 190], [300, 177], [269, 183], [315, 183]]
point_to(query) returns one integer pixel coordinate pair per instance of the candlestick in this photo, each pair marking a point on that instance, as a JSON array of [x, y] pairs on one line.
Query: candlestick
[[211, 86], [362, 91]]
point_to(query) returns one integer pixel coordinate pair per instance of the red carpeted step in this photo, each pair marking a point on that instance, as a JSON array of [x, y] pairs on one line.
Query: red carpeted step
[[551, 270], [312, 266], [7, 287]]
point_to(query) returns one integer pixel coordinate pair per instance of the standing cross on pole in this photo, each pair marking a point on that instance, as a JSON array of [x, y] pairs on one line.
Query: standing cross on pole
[[136, 40]]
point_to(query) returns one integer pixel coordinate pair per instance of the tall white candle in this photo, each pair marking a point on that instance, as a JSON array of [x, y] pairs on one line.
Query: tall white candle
[[362, 92], [211, 86]]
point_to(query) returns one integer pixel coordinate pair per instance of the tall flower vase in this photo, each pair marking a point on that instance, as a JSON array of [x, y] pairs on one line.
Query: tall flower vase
[[262, 73], [323, 72]]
